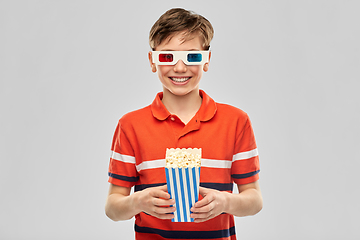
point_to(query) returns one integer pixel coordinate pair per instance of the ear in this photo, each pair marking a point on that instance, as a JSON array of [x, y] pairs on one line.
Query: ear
[[152, 65], [206, 65]]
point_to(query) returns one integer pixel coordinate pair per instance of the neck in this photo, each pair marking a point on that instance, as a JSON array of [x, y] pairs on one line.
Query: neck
[[185, 106]]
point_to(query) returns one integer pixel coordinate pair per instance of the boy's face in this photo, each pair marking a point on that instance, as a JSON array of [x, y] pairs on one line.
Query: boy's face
[[180, 79]]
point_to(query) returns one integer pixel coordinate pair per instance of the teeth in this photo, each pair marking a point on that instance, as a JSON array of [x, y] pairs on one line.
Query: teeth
[[180, 79]]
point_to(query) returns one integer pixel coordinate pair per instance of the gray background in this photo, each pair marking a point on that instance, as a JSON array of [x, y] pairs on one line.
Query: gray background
[[70, 69]]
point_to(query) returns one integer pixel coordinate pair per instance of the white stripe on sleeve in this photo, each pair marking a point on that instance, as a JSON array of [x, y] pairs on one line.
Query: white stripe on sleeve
[[122, 158], [245, 155]]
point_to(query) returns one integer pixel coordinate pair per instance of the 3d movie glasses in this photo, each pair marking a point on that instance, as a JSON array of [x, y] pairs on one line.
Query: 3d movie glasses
[[188, 57]]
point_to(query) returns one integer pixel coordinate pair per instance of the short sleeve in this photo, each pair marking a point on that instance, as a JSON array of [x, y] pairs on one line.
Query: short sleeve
[[122, 167], [245, 164]]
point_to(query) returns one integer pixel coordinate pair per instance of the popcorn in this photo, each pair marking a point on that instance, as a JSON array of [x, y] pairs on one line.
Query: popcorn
[[183, 178], [180, 158]]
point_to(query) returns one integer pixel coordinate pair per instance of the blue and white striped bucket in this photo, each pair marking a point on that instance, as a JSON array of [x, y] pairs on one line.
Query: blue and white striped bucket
[[183, 186]]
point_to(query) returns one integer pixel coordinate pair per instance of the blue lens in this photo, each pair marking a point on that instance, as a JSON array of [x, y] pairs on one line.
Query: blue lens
[[194, 57]]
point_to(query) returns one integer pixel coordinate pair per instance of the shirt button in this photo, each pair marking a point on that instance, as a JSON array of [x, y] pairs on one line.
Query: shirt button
[[172, 119]]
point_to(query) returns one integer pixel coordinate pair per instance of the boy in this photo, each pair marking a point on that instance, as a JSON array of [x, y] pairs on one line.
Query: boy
[[183, 116]]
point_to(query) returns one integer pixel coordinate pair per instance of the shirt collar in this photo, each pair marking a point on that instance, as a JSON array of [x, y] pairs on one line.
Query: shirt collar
[[205, 113]]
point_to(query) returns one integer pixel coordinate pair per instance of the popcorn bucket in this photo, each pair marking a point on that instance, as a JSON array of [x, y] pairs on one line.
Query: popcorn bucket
[[183, 182]]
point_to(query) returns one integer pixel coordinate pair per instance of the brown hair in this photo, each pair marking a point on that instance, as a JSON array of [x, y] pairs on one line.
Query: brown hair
[[178, 20]]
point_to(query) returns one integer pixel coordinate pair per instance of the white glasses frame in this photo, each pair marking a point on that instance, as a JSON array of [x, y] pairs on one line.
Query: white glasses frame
[[180, 55]]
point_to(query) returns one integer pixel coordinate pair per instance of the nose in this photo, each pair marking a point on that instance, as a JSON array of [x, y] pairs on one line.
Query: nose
[[180, 66]]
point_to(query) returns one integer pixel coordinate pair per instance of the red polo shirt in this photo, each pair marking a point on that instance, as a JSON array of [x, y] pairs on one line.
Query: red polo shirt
[[229, 154]]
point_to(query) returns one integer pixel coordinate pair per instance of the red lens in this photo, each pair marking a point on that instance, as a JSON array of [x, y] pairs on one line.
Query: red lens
[[168, 57]]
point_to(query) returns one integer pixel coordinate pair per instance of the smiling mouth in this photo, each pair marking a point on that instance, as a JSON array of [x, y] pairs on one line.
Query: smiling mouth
[[180, 80]]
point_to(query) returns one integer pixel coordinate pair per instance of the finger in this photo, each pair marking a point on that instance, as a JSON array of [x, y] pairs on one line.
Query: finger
[[204, 209], [205, 201], [166, 216], [163, 188], [199, 220], [202, 217], [203, 191], [159, 192], [164, 210], [163, 202], [159, 214]]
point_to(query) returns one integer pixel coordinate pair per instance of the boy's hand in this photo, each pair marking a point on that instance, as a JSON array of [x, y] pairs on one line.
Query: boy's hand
[[213, 204], [156, 202]]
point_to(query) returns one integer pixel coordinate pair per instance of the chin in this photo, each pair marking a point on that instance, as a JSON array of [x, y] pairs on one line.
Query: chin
[[182, 92]]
